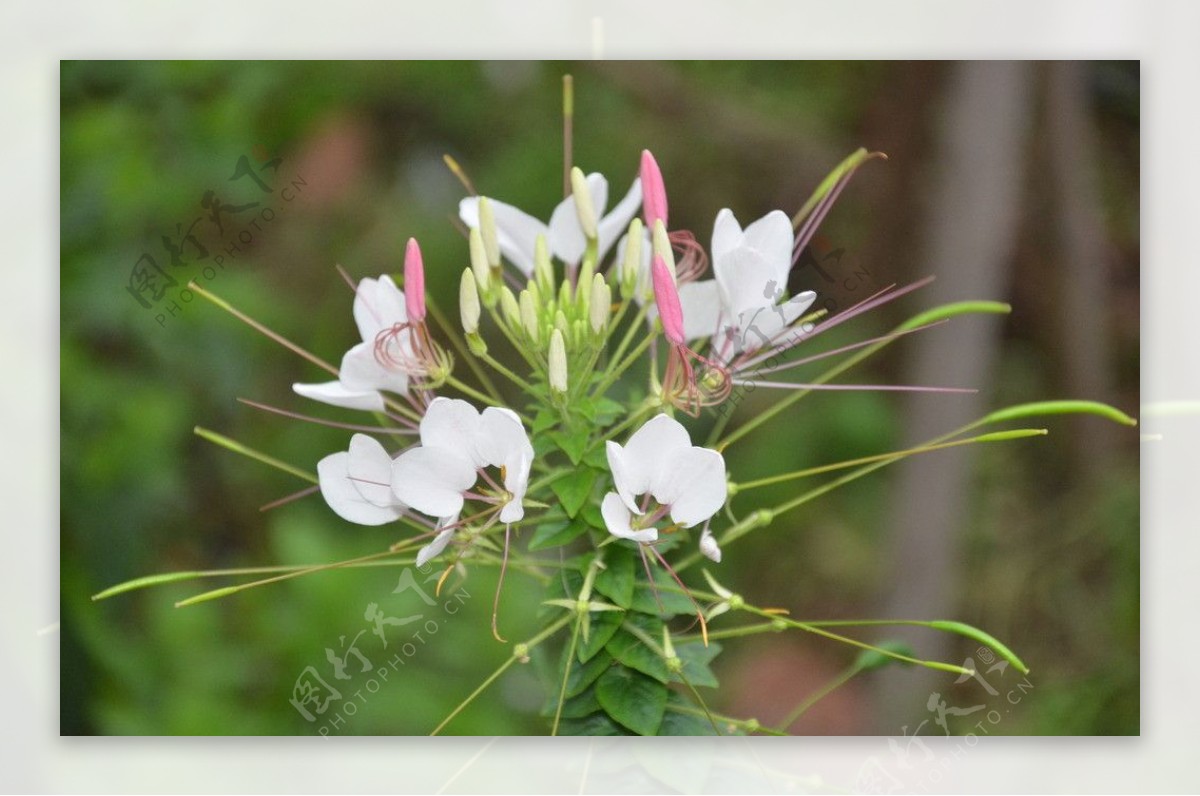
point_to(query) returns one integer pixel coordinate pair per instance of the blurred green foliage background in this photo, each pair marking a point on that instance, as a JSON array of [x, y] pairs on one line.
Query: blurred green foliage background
[[1049, 548]]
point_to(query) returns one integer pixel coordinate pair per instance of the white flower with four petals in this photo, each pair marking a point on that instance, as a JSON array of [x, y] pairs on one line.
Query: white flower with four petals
[[740, 306], [659, 460]]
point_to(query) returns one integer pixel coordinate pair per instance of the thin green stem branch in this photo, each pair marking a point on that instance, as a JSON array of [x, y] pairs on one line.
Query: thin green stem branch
[[533, 642]]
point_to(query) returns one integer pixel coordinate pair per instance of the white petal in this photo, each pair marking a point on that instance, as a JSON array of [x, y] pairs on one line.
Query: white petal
[[370, 470], [694, 487], [516, 230], [747, 282], [762, 326], [454, 425], [625, 478], [772, 237], [362, 370], [378, 305], [613, 224], [336, 394], [797, 305], [727, 235], [439, 543], [502, 437], [652, 450], [516, 482], [701, 304], [709, 547], [343, 496], [617, 519], [566, 239], [432, 480]]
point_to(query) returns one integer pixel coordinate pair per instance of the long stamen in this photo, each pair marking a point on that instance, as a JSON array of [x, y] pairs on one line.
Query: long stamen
[[274, 504], [333, 423], [500, 583], [787, 385], [696, 605], [842, 350]]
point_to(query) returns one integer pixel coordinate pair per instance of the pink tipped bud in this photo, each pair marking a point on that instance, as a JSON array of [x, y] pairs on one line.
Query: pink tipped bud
[[414, 282], [667, 299], [654, 195]]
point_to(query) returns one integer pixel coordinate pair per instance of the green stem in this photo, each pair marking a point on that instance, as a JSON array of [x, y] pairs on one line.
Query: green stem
[[503, 370], [945, 667], [615, 374], [246, 319], [998, 436], [750, 725], [174, 577], [629, 332], [455, 341], [818, 695], [562, 692], [237, 447], [533, 642]]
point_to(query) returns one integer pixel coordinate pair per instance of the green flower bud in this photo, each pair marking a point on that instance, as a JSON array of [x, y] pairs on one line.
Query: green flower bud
[[558, 362], [468, 302]]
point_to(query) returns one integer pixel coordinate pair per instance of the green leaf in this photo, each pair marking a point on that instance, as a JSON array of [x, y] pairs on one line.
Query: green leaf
[[695, 658], [596, 458], [575, 707], [556, 534], [945, 312], [543, 420], [604, 625], [616, 580], [976, 634], [591, 514], [673, 603], [633, 652], [595, 724], [606, 410], [574, 490], [869, 660], [573, 443], [632, 700], [584, 674], [1059, 408], [675, 723]]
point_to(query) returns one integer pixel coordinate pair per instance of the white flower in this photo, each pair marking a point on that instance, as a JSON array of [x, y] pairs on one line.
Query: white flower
[[740, 307], [688, 482], [456, 442], [357, 484], [517, 231], [378, 306]]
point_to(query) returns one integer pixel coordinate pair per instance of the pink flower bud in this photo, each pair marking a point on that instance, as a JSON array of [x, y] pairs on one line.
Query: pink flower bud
[[414, 282], [654, 195], [667, 299]]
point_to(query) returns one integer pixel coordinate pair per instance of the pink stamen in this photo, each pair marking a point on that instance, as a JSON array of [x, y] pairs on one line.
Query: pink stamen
[[654, 194], [274, 504], [667, 298], [333, 423], [691, 261], [414, 282]]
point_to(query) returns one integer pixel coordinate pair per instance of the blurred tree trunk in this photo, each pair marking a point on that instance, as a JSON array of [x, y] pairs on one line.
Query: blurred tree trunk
[[1081, 329], [974, 195]]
